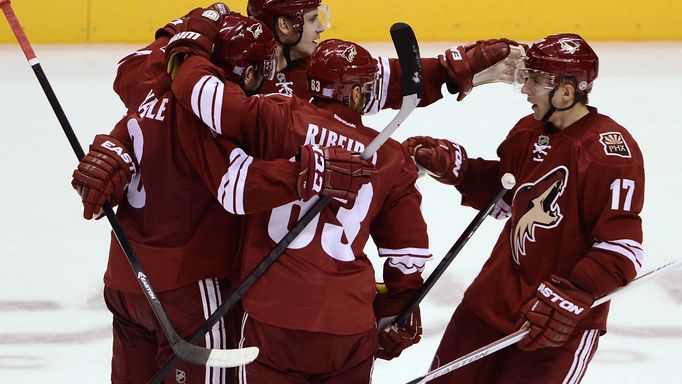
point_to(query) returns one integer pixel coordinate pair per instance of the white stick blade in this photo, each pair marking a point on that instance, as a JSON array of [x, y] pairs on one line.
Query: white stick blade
[[228, 358]]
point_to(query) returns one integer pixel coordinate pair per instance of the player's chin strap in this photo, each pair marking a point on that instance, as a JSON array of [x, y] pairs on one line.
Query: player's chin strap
[[553, 109], [286, 48]]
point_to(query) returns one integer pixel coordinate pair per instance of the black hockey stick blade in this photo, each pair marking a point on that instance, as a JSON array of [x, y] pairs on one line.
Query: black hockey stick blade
[[182, 349], [405, 43], [407, 48]]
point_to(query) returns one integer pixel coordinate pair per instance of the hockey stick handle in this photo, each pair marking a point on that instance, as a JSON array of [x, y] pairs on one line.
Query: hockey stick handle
[[520, 334], [188, 352], [507, 181]]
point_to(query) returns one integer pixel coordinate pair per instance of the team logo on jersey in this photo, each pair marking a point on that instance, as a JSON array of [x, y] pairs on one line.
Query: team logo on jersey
[[535, 206], [614, 144], [569, 45], [283, 86], [350, 53], [255, 29], [540, 148]]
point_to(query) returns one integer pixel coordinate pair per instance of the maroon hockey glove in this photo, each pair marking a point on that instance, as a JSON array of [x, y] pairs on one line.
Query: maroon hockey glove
[[195, 35], [445, 160], [103, 174], [396, 338], [553, 313], [331, 171], [463, 62]]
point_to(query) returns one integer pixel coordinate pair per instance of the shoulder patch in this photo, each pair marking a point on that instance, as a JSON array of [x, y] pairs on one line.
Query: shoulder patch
[[614, 144]]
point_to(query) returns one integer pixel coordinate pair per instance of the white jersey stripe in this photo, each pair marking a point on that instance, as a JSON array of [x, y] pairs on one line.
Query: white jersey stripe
[[216, 338], [242, 368], [377, 100], [414, 252], [207, 101], [631, 249], [581, 357], [232, 184]]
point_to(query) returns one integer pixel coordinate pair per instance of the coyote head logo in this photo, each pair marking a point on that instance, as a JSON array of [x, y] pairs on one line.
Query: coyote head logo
[[535, 205]]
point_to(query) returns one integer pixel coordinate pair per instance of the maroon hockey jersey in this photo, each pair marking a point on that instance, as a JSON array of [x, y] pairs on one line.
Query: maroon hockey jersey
[[179, 230], [574, 212], [323, 282]]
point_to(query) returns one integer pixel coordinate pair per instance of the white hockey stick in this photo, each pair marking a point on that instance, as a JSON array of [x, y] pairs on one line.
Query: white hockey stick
[[189, 352], [518, 335]]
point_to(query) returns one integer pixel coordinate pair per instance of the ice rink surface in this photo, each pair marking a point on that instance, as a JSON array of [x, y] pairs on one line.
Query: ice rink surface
[[55, 328]]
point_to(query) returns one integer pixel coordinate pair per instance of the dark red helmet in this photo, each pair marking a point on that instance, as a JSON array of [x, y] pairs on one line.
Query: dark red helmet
[[243, 41], [268, 10], [565, 54], [336, 66]]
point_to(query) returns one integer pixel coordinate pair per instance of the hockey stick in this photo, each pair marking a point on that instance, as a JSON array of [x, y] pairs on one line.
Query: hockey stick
[[508, 181], [520, 334], [184, 350], [406, 46]]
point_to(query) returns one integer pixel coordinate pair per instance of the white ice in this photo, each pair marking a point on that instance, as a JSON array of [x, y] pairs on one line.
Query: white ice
[[55, 328]]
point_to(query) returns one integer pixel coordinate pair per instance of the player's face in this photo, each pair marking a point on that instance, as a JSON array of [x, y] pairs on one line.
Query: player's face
[[310, 36], [536, 89]]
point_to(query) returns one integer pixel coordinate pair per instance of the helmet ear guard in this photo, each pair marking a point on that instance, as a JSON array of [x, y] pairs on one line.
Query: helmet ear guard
[[337, 66]]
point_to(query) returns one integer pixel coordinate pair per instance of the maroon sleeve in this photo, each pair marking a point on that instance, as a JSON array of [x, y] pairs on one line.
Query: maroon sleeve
[[399, 231], [241, 183], [615, 186]]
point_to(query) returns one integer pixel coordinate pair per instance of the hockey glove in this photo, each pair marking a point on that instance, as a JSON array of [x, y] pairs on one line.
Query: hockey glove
[[465, 61], [444, 160], [503, 71], [103, 174], [553, 313], [194, 35], [396, 338], [171, 28], [331, 171]]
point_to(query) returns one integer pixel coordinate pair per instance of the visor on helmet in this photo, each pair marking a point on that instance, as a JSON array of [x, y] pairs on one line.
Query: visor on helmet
[[325, 16], [537, 77]]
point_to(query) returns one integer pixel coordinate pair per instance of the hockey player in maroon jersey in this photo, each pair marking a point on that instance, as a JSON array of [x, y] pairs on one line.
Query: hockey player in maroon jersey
[[297, 28], [181, 233], [313, 313], [574, 232]]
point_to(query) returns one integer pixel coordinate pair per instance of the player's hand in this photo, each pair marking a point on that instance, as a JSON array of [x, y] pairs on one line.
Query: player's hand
[[553, 313], [195, 34], [171, 28], [464, 62], [503, 71], [331, 171], [445, 160], [103, 174], [396, 338]]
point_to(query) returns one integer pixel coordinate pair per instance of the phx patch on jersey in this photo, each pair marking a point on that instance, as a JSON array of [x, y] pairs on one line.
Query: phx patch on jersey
[[535, 205]]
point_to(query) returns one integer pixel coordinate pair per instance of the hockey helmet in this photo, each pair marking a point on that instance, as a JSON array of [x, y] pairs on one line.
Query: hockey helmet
[[558, 56], [244, 41], [336, 66]]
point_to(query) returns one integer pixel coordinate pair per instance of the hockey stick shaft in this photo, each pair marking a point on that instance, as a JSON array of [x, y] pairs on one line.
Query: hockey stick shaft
[[508, 181], [408, 53], [520, 334], [184, 350]]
